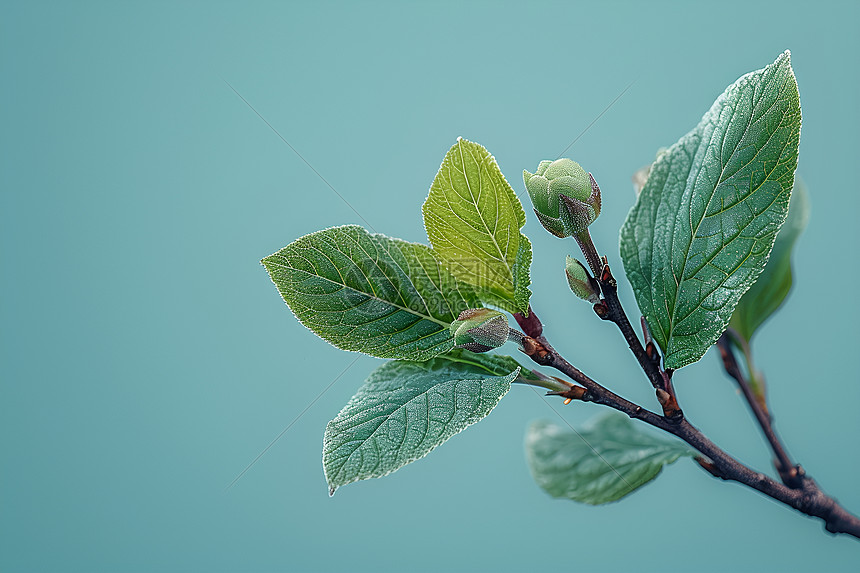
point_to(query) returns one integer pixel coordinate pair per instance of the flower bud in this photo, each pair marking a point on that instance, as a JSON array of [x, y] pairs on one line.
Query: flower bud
[[480, 329], [566, 199], [581, 283]]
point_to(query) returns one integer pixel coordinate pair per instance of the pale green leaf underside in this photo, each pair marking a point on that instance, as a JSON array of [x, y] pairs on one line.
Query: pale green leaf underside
[[774, 283], [473, 219], [370, 293], [704, 224], [565, 465], [489, 363], [405, 409]]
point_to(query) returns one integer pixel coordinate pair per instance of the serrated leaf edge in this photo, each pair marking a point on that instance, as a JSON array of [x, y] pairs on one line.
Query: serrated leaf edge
[[333, 488]]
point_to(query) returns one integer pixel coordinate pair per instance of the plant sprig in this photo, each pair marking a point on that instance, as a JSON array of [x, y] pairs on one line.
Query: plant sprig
[[695, 248]]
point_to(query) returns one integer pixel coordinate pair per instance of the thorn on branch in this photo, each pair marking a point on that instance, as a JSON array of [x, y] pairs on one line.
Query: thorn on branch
[[651, 351], [650, 347], [606, 275], [573, 393], [709, 467], [670, 406]]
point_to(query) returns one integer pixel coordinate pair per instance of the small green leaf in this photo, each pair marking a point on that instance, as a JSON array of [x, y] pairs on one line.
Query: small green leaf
[[473, 219], [602, 463], [370, 293], [405, 409], [774, 283], [703, 226]]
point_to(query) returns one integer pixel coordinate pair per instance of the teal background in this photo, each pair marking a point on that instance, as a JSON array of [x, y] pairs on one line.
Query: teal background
[[147, 359]]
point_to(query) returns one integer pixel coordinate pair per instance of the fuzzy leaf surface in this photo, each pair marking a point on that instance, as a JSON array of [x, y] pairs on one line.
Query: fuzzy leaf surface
[[405, 409], [703, 226], [473, 220], [370, 293]]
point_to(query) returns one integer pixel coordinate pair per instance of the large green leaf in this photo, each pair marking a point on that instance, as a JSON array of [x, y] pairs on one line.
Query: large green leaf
[[473, 219], [405, 409], [370, 293], [772, 286], [603, 462], [704, 224]]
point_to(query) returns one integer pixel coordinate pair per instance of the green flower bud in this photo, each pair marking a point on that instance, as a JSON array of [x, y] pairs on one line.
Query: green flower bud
[[480, 329], [566, 199], [581, 283]]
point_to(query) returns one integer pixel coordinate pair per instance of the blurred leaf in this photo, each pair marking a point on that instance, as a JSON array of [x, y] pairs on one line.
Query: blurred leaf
[[703, 226], [604, 462], [405, 409], [370, 293], [473, 219], [774, 283], [640, 178]]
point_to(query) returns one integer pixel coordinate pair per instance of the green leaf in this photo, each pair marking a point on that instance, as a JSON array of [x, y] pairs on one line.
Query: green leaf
[[602, 463], [774, 283], [405, 409], [703, 226], [473, 219], [520, 272], [494, 364], [370, 293]]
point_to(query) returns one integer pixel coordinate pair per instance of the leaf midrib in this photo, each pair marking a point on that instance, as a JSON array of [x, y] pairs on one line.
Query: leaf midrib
[[672, 321], [492, 235], [401, 406], [502, 257], [373, 296]]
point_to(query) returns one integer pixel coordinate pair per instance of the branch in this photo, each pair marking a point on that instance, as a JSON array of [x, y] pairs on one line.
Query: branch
[[537, 347], [610, 309], [807, 499], [791, 474]]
